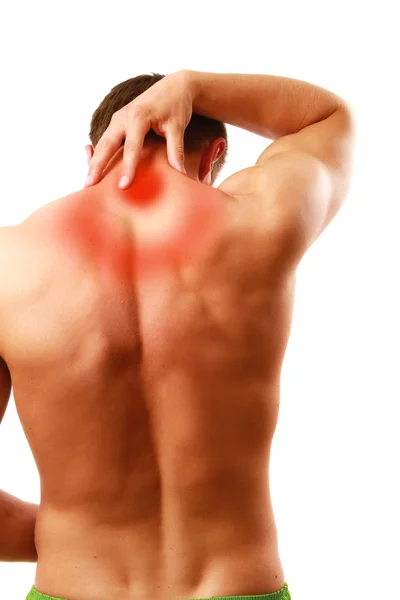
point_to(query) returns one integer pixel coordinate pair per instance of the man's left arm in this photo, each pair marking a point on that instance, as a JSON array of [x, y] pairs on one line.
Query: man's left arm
[[17, 518]]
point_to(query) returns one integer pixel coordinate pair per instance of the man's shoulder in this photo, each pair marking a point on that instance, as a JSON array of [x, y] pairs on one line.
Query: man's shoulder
[[7, 241], [15, 252], [6, 231], [10, 241]]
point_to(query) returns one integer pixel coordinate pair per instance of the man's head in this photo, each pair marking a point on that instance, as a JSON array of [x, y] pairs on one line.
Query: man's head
[[205, 140]]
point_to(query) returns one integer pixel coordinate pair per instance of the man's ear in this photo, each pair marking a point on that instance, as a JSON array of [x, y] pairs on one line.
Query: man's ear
[[219, 145], [209, 157], [89, 153]]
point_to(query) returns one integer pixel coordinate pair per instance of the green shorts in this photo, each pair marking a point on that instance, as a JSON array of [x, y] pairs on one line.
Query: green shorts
[[282, 594]]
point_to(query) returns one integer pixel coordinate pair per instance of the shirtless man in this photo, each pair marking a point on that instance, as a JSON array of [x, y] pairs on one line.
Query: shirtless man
[[144, 327]]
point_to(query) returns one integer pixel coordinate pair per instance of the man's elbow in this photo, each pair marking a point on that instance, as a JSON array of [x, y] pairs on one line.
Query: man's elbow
[[17, 529]]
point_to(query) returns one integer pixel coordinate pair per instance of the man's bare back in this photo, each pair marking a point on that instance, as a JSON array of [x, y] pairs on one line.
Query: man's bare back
[[150, 409], [150, 402]]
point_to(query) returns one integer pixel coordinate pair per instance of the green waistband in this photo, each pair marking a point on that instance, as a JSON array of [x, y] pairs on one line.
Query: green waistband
[[35, 595], [282, 594]]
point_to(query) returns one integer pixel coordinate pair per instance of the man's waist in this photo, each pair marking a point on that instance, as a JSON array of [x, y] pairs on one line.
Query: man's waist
[[190, 558]]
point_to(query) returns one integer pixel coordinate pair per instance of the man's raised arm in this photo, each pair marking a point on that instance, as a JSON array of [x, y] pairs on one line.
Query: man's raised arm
[[267, 105], [300, 180]]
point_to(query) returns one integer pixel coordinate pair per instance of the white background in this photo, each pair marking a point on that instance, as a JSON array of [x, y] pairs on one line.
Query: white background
[[335, 457]]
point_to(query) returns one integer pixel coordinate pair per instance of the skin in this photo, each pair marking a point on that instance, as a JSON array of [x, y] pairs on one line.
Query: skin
[[139, 392], [150, 397]]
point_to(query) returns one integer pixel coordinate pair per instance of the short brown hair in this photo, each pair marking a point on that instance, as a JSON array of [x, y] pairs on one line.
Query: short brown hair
[[199, 129]]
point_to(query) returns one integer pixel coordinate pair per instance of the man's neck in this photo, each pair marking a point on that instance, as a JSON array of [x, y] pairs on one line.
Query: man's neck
[[154, 177], [153, 156]]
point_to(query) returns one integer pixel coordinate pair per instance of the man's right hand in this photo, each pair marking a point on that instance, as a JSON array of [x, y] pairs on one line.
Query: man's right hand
[[166, 107]]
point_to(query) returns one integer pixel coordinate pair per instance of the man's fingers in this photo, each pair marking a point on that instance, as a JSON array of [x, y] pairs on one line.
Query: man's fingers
[[104, 151], [133, 148], [175, 147]]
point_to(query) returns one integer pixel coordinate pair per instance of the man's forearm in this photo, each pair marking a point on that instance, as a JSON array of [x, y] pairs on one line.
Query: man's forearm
[[267, 105], [17, 529]]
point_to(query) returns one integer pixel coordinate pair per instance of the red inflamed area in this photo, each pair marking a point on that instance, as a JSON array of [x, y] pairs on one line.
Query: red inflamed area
[[151, 229]]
